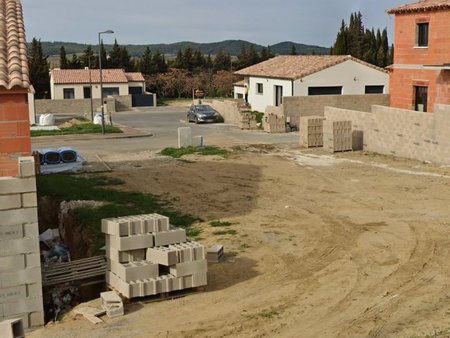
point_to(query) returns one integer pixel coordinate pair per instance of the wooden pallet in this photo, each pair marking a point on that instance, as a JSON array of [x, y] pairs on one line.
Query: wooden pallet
[[73, 271], [159, 297]]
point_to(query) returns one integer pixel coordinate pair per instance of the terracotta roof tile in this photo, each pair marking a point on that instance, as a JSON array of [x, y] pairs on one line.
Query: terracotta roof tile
[[421, 6], [294, 67], [68, 76], [135, 77], [13, 50]]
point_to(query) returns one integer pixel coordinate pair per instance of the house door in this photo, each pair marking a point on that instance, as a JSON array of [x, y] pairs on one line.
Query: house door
[[420, 98], [278, 95]]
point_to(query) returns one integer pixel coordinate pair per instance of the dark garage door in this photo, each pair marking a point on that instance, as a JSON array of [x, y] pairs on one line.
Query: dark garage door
[[325, 90], [142, 100]]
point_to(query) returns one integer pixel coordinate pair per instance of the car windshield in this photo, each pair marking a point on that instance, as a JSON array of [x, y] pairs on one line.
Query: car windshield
[[204, 108]]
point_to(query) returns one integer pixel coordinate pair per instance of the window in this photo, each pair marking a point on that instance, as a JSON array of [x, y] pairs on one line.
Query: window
[[420, 98], [374, 90], [135, 90], [69, 93], [112, 91], [422, 34], [259, 88], [87, 92], [325, 90]]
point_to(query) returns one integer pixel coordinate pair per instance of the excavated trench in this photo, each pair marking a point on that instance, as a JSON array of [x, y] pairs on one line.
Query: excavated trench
[[74, 236]]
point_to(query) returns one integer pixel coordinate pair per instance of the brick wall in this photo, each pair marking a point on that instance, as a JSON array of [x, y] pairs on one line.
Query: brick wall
[[297, 106], [402, 132], [20, 267], [81, 107], [14, 130]]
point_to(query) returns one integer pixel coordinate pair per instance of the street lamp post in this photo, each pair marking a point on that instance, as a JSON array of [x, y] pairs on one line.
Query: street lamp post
[[101, 75]]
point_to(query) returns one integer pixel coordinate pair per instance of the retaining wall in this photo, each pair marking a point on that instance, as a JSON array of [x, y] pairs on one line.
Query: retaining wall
[[296, 106], [401, 132], [20, 266], [228, 109]]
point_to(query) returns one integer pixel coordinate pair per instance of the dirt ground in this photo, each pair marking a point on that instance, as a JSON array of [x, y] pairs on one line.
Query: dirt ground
[[352, 245]]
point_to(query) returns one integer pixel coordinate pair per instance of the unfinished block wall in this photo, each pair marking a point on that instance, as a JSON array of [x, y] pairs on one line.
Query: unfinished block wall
[[20, 267], [401, 132]]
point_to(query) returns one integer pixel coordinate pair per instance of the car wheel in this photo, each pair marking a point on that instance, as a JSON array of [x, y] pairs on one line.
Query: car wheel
[[196, 120], [188, 120]]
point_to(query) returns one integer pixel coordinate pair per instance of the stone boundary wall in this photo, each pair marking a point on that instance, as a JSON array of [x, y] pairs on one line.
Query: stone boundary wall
[[20, 264], [401, 132], [228, 109], [81, 107], [296, 106]]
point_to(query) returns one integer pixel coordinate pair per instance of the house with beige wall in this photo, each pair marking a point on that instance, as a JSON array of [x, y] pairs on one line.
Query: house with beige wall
[[306, 75], [85, 83]]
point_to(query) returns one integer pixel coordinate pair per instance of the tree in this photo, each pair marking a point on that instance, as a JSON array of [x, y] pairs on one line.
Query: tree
[[75, 62], [63, 63], [88, 59], [178, 62], [125, 61], [340, 46], [146, 65], [293, 50], [160, 62], [115, 56], [39, 70], [222, 61]]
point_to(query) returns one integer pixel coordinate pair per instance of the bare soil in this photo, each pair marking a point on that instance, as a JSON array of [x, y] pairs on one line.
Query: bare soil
[[352, 245]]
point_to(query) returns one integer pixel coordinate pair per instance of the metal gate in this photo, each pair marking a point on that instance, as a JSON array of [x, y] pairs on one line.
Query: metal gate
[[142, 100]]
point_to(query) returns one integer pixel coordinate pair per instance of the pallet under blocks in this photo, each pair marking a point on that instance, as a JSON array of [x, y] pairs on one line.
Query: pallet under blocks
[[147, 256]]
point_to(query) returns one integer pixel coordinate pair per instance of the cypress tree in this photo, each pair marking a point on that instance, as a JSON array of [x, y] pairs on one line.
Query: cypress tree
[[63, 63], [39, 70]]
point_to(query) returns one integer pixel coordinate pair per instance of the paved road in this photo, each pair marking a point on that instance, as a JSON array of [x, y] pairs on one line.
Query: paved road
[[163, 124]]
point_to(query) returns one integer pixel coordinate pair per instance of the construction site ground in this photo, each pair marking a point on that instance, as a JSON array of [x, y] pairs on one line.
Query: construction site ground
[[346, 245]]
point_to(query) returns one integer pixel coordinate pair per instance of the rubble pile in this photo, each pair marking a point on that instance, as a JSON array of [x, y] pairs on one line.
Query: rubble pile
[[147, 256]]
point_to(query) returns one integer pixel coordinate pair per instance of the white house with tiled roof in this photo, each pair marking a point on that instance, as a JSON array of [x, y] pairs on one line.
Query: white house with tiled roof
[[302, 75], [77, 83]]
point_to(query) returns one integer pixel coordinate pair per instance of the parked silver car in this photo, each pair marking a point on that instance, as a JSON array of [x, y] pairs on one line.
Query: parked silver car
[[202, 113]]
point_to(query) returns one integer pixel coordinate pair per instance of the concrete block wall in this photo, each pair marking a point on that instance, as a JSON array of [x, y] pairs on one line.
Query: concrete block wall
[[296, 106], [20, 266], [401, 132], [147, 256], [81, 107]]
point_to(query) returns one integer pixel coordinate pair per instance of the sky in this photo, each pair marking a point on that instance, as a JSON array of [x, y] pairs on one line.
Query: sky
[[264, 22]]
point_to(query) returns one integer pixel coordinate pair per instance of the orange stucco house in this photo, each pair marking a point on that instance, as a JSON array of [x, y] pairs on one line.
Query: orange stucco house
[[420, 74], [14, 87]]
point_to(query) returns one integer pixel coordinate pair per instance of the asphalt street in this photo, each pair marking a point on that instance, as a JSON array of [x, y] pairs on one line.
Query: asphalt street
[[163, 124]]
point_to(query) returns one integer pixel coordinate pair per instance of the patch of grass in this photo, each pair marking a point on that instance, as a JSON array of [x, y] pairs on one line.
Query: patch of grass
[[66, 187], [268, 313], [193, 232], [84, 128], [220, 224], [437, 334], [179, 152], [225, 232]]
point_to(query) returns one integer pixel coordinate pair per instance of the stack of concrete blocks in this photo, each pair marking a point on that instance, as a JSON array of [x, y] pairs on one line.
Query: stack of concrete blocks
[[274, 123], [215, 253], [248, 121], [311, 131], [337, 136], [147, 256], [20, 265], [112, 304]]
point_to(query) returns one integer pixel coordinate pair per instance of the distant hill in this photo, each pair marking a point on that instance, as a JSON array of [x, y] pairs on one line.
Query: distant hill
[[232, 47]]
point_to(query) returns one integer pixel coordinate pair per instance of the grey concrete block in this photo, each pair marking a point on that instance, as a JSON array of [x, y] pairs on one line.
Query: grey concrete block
[[12, 293], [189, 251], [135, 225], [9, 232], [112, 304], [184, 137], [12, 201], [33, 260], [189, 268], [121, 286], [170, 237], [134, 271], [23, 306], [12, 328], [197, 141], [18, 216], [29, 200], [34, 290], [130, 242], [125, 256], [19, 246], [26, 166], [31, 230], [12, 263], [15, 185], [36, 319], [162, 255], [193, 281], [215, 253], [27, 276]]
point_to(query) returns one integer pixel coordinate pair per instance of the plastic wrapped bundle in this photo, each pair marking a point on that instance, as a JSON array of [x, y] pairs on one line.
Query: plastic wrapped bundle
[[67, 155], [51, 156]]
